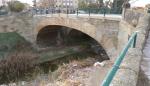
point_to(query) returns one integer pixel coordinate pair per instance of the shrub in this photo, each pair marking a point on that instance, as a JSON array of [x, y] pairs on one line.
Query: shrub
[[16, 66]]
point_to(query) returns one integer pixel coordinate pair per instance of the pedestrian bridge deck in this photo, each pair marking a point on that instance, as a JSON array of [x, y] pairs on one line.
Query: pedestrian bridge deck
[[99, 16]]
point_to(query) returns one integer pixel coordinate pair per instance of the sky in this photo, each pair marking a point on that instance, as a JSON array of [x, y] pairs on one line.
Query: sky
[[139, 3], [27, 1]]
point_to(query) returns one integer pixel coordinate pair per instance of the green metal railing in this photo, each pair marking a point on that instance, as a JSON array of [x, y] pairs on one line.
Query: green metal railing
[[112, 72], [100, 10]]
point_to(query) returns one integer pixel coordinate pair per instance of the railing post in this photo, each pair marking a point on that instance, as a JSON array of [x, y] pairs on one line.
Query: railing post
[[51, 12], [89, 11], [77, 11], [67, 11], [59, 11], [133, 45]]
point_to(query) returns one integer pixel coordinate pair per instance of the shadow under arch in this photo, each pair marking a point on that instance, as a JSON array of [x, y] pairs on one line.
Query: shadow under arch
[[57, 35]]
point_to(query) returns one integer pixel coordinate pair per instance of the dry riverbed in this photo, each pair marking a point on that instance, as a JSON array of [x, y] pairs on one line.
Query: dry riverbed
[[74, 73]]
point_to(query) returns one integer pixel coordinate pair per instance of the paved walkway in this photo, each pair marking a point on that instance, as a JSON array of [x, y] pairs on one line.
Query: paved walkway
[[98, 16], [145, 64]]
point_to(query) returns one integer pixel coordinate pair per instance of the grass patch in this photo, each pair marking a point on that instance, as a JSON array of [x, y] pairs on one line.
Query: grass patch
[[17, 66], [17, 58], [10, 42]]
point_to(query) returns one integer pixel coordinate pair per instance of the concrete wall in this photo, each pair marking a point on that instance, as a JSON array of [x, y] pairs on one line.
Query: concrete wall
[[125, 31]]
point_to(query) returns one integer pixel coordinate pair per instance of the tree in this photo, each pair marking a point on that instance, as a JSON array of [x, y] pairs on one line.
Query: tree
[[100, 3], [93, 5], [46, 3], [82, 4], [147, 6], [16, 6]]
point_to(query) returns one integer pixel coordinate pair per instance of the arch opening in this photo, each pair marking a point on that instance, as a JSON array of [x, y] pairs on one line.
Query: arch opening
[[62, 36]]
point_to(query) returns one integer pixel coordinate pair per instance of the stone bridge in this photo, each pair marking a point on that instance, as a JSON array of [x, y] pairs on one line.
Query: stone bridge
[[111, 32], [103, 30]]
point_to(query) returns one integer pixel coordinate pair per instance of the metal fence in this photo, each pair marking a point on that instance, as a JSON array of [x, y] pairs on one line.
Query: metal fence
[[77, 11]]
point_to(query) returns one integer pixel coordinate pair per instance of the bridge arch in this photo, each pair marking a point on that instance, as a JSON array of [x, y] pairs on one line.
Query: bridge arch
[[71, 23], [76, 24]]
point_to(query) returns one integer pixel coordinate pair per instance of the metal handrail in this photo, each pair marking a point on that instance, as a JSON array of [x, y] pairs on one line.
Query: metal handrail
[[112, 72]]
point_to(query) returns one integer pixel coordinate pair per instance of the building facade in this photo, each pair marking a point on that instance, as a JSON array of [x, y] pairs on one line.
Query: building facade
[[3, 2], [73, 4], [58, 3], [147, 8]]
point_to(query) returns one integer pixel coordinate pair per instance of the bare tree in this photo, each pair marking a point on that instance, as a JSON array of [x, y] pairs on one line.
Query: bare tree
[[125, 6]]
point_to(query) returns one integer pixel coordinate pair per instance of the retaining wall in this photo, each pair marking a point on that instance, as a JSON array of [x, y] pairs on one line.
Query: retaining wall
[[128, 73], [132, 16]]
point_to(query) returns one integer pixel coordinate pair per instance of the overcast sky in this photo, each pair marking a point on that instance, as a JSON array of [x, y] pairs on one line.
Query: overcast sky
[[138, 3], [27, 1], [141, 3]]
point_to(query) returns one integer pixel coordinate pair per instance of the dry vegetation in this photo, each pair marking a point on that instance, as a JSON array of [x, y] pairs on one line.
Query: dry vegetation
[[17, 65], [74, 73], [20, 65]]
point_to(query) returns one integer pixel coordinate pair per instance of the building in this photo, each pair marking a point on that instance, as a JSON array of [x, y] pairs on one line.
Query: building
[[3, 2], [147, 8], [71, 4], [58, 3]]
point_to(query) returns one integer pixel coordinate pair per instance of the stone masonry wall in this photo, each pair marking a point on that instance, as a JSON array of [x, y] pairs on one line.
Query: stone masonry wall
[[132, 17], [128, 73]]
